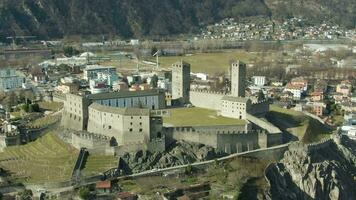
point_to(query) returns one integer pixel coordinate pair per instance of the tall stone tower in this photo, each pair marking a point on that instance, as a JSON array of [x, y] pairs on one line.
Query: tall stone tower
[[238, 78], [181, 81]]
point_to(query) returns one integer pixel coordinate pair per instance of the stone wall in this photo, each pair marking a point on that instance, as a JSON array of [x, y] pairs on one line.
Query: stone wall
[[228, 139], [264, 124], [59, 97], [259, 109], [206, 99], [75, 112]]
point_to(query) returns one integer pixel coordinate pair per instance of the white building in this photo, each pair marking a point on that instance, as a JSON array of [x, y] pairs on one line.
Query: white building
[[259, 80], [10, 79], [234, 107], [91, 71], [164, 84], [296, 90]]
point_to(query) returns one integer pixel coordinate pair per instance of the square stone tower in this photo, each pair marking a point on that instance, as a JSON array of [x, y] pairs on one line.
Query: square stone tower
[[238, 78], [181, 81]]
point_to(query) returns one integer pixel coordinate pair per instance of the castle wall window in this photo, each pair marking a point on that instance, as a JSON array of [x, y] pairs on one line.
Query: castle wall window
[[130, 129], [140, 130]]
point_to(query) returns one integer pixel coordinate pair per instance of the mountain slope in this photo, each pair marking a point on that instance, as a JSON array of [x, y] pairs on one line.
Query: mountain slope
[[136, 18]]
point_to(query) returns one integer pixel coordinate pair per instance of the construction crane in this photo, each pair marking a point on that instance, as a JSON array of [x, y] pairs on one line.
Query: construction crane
[[13, 39], [157, 54]]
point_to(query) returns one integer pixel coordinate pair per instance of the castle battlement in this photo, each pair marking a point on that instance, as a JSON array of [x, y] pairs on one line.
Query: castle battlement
[[208, 92], [214, 131], [92, 136], [259, 102], [319, 145]]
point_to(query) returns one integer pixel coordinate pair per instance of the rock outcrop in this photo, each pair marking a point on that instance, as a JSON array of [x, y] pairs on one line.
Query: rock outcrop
[[180, 153], [326, 170]]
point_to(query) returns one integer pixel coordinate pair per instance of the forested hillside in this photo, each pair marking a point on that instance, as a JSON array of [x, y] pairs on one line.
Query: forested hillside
[[137, 18]]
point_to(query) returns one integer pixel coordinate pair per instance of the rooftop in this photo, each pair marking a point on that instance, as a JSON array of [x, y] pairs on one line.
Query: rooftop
[[236, 99], [103, 185], [121, 111], [94, 67], [124, 94], [194, 117]]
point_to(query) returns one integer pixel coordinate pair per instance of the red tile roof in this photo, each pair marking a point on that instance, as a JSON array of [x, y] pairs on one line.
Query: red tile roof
[[103, 185]]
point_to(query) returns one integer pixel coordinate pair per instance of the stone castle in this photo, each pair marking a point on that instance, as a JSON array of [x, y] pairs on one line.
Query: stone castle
[[132, 120]]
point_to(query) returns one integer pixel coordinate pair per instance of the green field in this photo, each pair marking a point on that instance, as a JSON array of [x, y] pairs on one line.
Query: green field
[[207, 62], [198, 117], [48, 159], [296, 123], [97, 164], [51, 106], [211, 63]]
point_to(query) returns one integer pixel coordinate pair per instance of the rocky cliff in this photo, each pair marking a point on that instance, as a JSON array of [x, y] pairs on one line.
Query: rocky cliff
[[319, 171], [180, 153]]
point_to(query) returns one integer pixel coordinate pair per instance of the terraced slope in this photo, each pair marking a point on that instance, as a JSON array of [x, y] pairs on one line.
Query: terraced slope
[[48, 159]]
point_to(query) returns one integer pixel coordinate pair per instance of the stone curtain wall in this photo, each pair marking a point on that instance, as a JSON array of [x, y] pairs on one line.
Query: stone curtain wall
[[206, 99]]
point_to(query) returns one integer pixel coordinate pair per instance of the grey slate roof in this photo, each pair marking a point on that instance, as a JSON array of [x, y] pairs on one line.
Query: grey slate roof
[[124, 94], [236, 99], [120, 111]]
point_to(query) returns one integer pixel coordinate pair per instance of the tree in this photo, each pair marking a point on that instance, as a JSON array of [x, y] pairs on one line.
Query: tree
[[189, 169], [26, 194], [70, 51], [10, 100], [154, 81], [84, 193], [34, 108], [25, 107], [29, 96]]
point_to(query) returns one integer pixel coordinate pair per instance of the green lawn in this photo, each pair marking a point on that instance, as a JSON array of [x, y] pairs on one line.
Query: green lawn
[[198, 117], [207, 62], [51, 106], [97, 164], [48, 159], [296, 123], [210, 63]]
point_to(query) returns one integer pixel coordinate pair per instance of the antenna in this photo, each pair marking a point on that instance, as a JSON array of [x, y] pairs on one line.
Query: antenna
[[157, 55]]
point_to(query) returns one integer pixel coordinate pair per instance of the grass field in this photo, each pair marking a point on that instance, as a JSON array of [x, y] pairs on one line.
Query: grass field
[[211, 63], [51, 106], [296, 123], [198, 117], [207, 62], [97, 164], [48, 159]]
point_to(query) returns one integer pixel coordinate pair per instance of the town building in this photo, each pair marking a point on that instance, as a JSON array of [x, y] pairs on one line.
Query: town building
[[93, 71], [235, 107], [259, 80], [317, 96], [296, 90], [68, 88], [10, 79], [345, 88]]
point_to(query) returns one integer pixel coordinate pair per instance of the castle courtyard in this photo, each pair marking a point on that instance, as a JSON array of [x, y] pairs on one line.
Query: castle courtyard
[[198, 117]]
